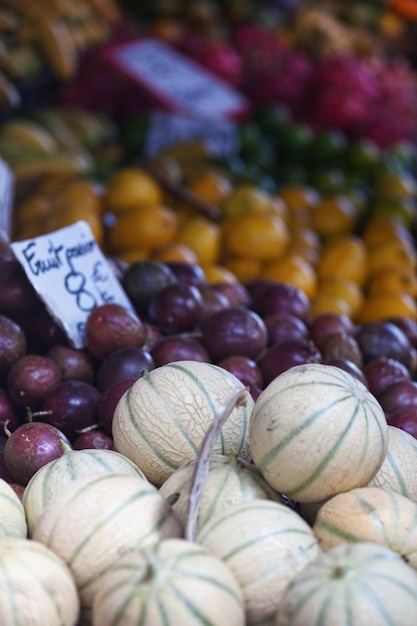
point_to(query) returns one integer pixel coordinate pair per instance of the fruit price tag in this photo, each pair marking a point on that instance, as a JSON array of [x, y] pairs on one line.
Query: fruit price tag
[[71, 275], [167, 129], [6, 196], [175, 82]]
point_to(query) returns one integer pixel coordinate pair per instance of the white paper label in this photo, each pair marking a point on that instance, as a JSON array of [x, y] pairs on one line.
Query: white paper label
[[71, 275], [177, 81], [166, 129], [6, 196]]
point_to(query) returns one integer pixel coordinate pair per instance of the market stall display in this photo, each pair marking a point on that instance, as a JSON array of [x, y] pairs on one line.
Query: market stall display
[[208, 310]]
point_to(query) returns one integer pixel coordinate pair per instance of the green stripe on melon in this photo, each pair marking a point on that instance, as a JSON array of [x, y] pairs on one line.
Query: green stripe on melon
[[358, 584], [398, 471], [229, 481], [12, 513], [369, 514], [316, 430], [265, 544], [99, 517], [160, 422], [36, 586], [174, 581], [48, 482]]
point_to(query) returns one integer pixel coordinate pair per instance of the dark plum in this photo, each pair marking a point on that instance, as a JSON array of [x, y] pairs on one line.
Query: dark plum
[[152, 335], [96, 439], [405, 419], [143, 279], [71, 406], [408, 326], [283, 326], [342, 346], [282, 356], [13, 343], [187, 273], [325, 324], [255, 391], [176, 308], [213, 300], [30, 447], [4, 472], [178, 348], [382, 372], [17, 295], [399, 395], [282, 298], [73, 363], [29, 379], [108, 401], [235, 292], [348, 366], [10, 415], [385, 339], [111, 326], [42, 330], [232, 331], [123, 364], [245, 369]]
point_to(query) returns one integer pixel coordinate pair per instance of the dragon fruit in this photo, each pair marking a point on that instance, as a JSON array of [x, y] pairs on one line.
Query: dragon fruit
[[345, 91]]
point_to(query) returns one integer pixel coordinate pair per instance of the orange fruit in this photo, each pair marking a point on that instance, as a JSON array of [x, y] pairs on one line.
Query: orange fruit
[[72, 214], [344, 289], [395, 279], [243, 268], [28, 230], [35, 208], [295, 270], [130, 256], [381, 228], [130, 188], [247, 199], [84, 192], [344, 257], [334, 215], [211, 185], [256, 236], [202, 236], [217, 273], [326, 303], [396, 184], [403, 209], [391, 254], [379, 307], [306, 243], [145, 228], [174, 251], [299, 196]]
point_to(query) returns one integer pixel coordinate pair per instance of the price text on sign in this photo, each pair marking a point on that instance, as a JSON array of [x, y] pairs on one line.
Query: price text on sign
[[71, 275]]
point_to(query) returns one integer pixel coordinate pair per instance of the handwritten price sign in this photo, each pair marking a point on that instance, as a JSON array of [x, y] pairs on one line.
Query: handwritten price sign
[[71, 275]]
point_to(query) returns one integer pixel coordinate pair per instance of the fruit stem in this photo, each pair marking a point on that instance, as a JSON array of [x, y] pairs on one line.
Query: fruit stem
[[236, 399]]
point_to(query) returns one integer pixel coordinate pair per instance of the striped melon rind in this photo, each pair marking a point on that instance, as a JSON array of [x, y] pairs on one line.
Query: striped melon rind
[[99, 517], [172, 582], [352, 584], [265, 544], [37, 588], [398, 471], [12, 513], [369, 514], [315, 431], [229, 481], [52, 478], [161, 421]]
